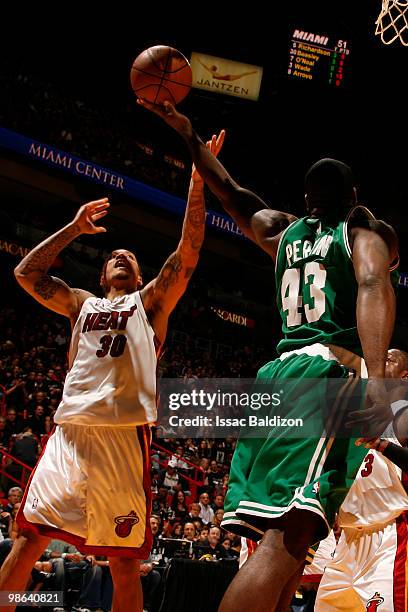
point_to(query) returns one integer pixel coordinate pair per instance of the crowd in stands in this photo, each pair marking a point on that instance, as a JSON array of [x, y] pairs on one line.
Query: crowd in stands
[[79, 127]]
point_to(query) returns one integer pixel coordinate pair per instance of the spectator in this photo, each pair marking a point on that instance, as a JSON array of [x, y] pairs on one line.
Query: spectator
[[169, 477], [6, 524], [16, 392], [37, 421], [228, 544], [199, 525], [190, 449], [14, 496], [195, 510], [160, 503], [212, 545], [218, 516], [96, 586], [151, 580], [204, 451], [203, 535], [4, 434], [189, 532], [14, 425], [155, 525], [214, 475], [177, 457], [65, 564], [26, 449], [206, 512], [30, 382], [224, 489], [179, 507], [218, 502]]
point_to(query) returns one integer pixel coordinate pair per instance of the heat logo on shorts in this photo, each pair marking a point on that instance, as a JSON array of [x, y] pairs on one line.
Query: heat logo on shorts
[[374, 602], [125, 523]]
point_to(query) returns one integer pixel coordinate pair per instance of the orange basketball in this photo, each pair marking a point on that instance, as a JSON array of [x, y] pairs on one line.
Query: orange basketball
[[161, 73]]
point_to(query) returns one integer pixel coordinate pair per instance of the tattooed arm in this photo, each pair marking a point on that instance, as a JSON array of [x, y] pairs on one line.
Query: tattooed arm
[[32, 272], [161, 295]]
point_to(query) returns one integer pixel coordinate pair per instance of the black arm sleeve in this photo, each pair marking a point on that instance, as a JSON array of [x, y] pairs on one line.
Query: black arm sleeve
[[397, 454]]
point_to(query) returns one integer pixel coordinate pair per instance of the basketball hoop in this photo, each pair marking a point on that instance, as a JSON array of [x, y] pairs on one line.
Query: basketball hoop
[[392, 22]]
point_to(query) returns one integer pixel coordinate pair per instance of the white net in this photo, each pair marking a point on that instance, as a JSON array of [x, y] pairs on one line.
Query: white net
[[392, 22]]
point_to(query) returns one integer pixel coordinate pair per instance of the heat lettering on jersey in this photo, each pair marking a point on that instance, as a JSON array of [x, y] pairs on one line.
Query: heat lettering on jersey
[[102, 321]]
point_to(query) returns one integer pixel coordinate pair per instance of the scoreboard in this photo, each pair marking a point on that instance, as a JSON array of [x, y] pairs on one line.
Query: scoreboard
[[318, 57]]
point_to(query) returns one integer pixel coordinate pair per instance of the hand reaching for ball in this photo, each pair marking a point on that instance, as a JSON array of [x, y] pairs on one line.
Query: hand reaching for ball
[[182, 124], [170, 115]]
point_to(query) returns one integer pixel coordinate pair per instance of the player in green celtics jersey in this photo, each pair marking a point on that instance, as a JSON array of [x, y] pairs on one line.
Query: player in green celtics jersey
[[337, 304]]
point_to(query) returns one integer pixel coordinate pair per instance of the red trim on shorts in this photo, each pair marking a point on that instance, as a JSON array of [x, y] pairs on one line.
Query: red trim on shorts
[[144, 436], [315, 578], [401, 565], [252, 546], [145, 439]]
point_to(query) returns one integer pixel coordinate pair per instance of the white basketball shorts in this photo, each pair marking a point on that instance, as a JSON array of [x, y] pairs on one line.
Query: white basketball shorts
[[369, 571], [91, 488]]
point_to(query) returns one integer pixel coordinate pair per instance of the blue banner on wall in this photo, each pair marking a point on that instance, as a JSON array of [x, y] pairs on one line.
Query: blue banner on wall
[[107, 178]]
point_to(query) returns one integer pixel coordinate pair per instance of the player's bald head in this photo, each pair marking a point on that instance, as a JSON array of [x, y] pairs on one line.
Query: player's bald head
[[402, 357], [397, 364], [329, 184]]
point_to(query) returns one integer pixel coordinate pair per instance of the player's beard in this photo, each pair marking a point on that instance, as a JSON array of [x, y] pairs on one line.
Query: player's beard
[[121, 274]]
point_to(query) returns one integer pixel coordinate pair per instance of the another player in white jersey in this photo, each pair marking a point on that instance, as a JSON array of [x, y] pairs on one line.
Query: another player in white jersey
[[91, 486], [369, 570]]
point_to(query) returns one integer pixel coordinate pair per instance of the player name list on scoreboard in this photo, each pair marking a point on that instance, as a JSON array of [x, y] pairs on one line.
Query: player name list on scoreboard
[[316, 57]]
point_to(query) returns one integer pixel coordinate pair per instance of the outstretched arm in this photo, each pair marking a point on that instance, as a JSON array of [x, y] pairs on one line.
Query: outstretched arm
[[161, 295], [375, 312], [254, 217], [372, 256], [32, 272]]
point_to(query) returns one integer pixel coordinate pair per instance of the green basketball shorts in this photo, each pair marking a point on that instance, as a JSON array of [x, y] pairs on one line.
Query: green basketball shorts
[[274, 474]]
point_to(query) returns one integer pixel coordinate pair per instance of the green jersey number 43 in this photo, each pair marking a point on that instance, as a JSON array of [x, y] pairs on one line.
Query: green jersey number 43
[[293, 296]]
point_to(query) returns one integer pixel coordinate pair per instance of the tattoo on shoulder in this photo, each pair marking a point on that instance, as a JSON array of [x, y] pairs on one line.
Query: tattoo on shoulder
[[46, 287]]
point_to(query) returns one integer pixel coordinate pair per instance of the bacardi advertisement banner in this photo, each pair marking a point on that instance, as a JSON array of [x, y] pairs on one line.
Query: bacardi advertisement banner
[[233, 317]]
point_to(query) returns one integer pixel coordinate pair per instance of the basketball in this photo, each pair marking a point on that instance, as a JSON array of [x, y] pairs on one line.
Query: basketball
[[161, 73]]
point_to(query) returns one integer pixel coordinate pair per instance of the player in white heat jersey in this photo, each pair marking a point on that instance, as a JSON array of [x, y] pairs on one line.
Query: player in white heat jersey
[[91, 486], [369, 570]]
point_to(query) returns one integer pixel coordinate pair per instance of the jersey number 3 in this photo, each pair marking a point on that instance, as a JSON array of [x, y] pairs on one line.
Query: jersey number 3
[[292, 298], [112, 345]]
